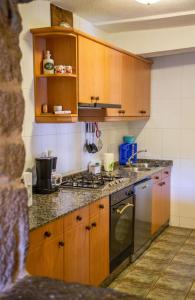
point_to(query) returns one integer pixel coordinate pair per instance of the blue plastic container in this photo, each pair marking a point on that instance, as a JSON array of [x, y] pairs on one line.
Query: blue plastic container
[[126, 150], [129, 139]]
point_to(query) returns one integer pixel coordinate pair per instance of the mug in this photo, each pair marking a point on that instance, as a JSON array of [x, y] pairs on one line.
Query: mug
[[56, 179]]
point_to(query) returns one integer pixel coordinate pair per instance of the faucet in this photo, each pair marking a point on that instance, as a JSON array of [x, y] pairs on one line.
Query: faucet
[[132, 156]]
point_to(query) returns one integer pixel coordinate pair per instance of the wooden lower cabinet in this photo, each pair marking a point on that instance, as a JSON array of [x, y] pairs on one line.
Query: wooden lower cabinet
[[99, 245], [76, 250], [160, 200], [80, 253], [46, 259]]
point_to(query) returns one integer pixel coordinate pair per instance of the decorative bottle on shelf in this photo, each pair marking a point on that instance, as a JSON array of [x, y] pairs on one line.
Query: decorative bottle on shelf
[[48, 64]]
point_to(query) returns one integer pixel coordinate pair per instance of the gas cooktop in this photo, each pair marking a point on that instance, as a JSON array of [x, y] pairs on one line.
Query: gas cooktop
[[87, 180]]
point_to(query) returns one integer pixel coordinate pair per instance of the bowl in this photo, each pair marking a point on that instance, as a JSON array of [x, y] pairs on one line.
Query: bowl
[[129, 139]]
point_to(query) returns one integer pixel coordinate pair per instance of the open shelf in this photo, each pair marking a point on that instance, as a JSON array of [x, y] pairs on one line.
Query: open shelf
[[52, 118], [56, 75]]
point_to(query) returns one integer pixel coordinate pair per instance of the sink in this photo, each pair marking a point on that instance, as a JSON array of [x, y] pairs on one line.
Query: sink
[[137, 169]]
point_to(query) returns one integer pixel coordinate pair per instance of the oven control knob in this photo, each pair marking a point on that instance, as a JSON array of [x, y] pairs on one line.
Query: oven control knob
[[129, 193]]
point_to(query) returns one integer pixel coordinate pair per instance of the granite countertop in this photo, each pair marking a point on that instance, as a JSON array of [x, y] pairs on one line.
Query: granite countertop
[[43, 288], [47, 208]]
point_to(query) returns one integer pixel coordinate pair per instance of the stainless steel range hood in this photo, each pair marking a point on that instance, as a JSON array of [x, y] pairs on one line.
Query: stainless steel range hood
[[97, 105]]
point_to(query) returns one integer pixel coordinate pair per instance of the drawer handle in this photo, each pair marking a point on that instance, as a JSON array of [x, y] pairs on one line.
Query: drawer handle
[[88, 227], [47, 234], [79, 218], [61, 243], [162, 183], [97, 98], [156, 177], [120, 111], [166, 172], [94, 224], [142, 112], [123, 111], [92, 98], [101, 206]]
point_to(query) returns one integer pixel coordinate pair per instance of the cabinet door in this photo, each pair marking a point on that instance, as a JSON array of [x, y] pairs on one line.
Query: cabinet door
[[113, 80], [128, 86], [142, 88], [46, 259], [99, 244], [76, 251], [91, 70], [165, 190]]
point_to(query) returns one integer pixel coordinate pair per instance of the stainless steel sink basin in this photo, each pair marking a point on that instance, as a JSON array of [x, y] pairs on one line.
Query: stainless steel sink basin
[[137, 167]]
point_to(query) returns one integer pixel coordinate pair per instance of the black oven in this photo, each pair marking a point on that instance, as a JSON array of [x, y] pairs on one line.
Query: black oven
[[122, 204]]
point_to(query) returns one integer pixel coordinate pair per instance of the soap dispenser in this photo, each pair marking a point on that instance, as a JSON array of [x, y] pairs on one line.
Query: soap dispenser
[[48, 64]]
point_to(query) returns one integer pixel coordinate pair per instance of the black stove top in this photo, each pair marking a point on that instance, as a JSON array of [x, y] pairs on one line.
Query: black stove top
[[87, 180]]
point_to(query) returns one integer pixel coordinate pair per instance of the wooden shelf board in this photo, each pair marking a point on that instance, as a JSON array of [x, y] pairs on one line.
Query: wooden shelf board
[[52, 118], [56, 75]]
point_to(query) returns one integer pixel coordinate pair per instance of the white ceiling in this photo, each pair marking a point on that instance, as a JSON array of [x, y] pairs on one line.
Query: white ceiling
[[124, 15]]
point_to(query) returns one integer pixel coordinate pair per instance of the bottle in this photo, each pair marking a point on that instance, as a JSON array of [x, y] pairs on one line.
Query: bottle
[[48, 64]]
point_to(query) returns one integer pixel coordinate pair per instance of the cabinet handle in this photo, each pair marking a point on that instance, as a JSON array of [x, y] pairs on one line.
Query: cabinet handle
[[94, 224], [142, 112], [47, 234], [123, 111], [101, 206], [97, 98], [162, 183], [79, 218], [156, 177], [92, 98], [88, 227], [166, 172], [61, 243]]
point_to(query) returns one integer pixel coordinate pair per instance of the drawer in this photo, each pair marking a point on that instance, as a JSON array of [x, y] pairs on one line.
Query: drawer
[[77, 217], [156, 177], [166, 172], [99, 206], [46, 232]]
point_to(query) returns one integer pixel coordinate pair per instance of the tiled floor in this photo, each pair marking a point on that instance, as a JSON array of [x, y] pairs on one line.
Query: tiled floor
[[165, 271]]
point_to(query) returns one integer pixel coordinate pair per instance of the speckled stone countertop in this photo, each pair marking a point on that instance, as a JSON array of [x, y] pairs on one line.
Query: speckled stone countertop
[[43, 288], [47, 208]]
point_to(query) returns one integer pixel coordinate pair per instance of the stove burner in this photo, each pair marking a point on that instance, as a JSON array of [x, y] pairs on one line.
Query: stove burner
[[86, 180]]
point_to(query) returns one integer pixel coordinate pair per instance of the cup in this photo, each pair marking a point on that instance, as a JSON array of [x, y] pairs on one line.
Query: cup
[[108, 162], [56, 179], [60, 69]]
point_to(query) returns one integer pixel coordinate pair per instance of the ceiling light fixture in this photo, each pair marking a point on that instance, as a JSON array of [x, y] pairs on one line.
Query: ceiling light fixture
[[148, 2]]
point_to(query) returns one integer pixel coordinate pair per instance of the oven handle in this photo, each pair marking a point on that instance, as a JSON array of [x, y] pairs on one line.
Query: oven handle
[[120, 211]]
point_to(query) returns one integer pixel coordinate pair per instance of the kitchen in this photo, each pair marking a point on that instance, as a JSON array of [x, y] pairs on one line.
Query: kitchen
[[168, 160]]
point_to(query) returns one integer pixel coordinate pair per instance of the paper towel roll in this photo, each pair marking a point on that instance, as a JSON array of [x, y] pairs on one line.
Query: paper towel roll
[[108, 162]]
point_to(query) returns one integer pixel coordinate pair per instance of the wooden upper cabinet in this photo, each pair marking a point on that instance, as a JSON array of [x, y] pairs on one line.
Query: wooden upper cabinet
[[113, 73], [128, 86], [142, 87], [91, 71]]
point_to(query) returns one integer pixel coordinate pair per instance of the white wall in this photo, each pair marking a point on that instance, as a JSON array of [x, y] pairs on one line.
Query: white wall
[[170, 132], [155, 40], [67, 140]]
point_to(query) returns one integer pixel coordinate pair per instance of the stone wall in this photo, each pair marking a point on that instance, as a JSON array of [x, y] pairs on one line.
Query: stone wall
[[13, 196]]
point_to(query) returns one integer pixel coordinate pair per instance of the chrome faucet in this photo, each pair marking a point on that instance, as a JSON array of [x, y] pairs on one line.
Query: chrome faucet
[[132, 156]]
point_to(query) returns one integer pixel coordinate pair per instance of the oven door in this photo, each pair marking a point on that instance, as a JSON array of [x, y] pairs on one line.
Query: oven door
[[121, 231]]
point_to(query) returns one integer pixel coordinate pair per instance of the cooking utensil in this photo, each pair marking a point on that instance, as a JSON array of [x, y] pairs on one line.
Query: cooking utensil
[[98, 135], [93, 145], [87, 143]]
